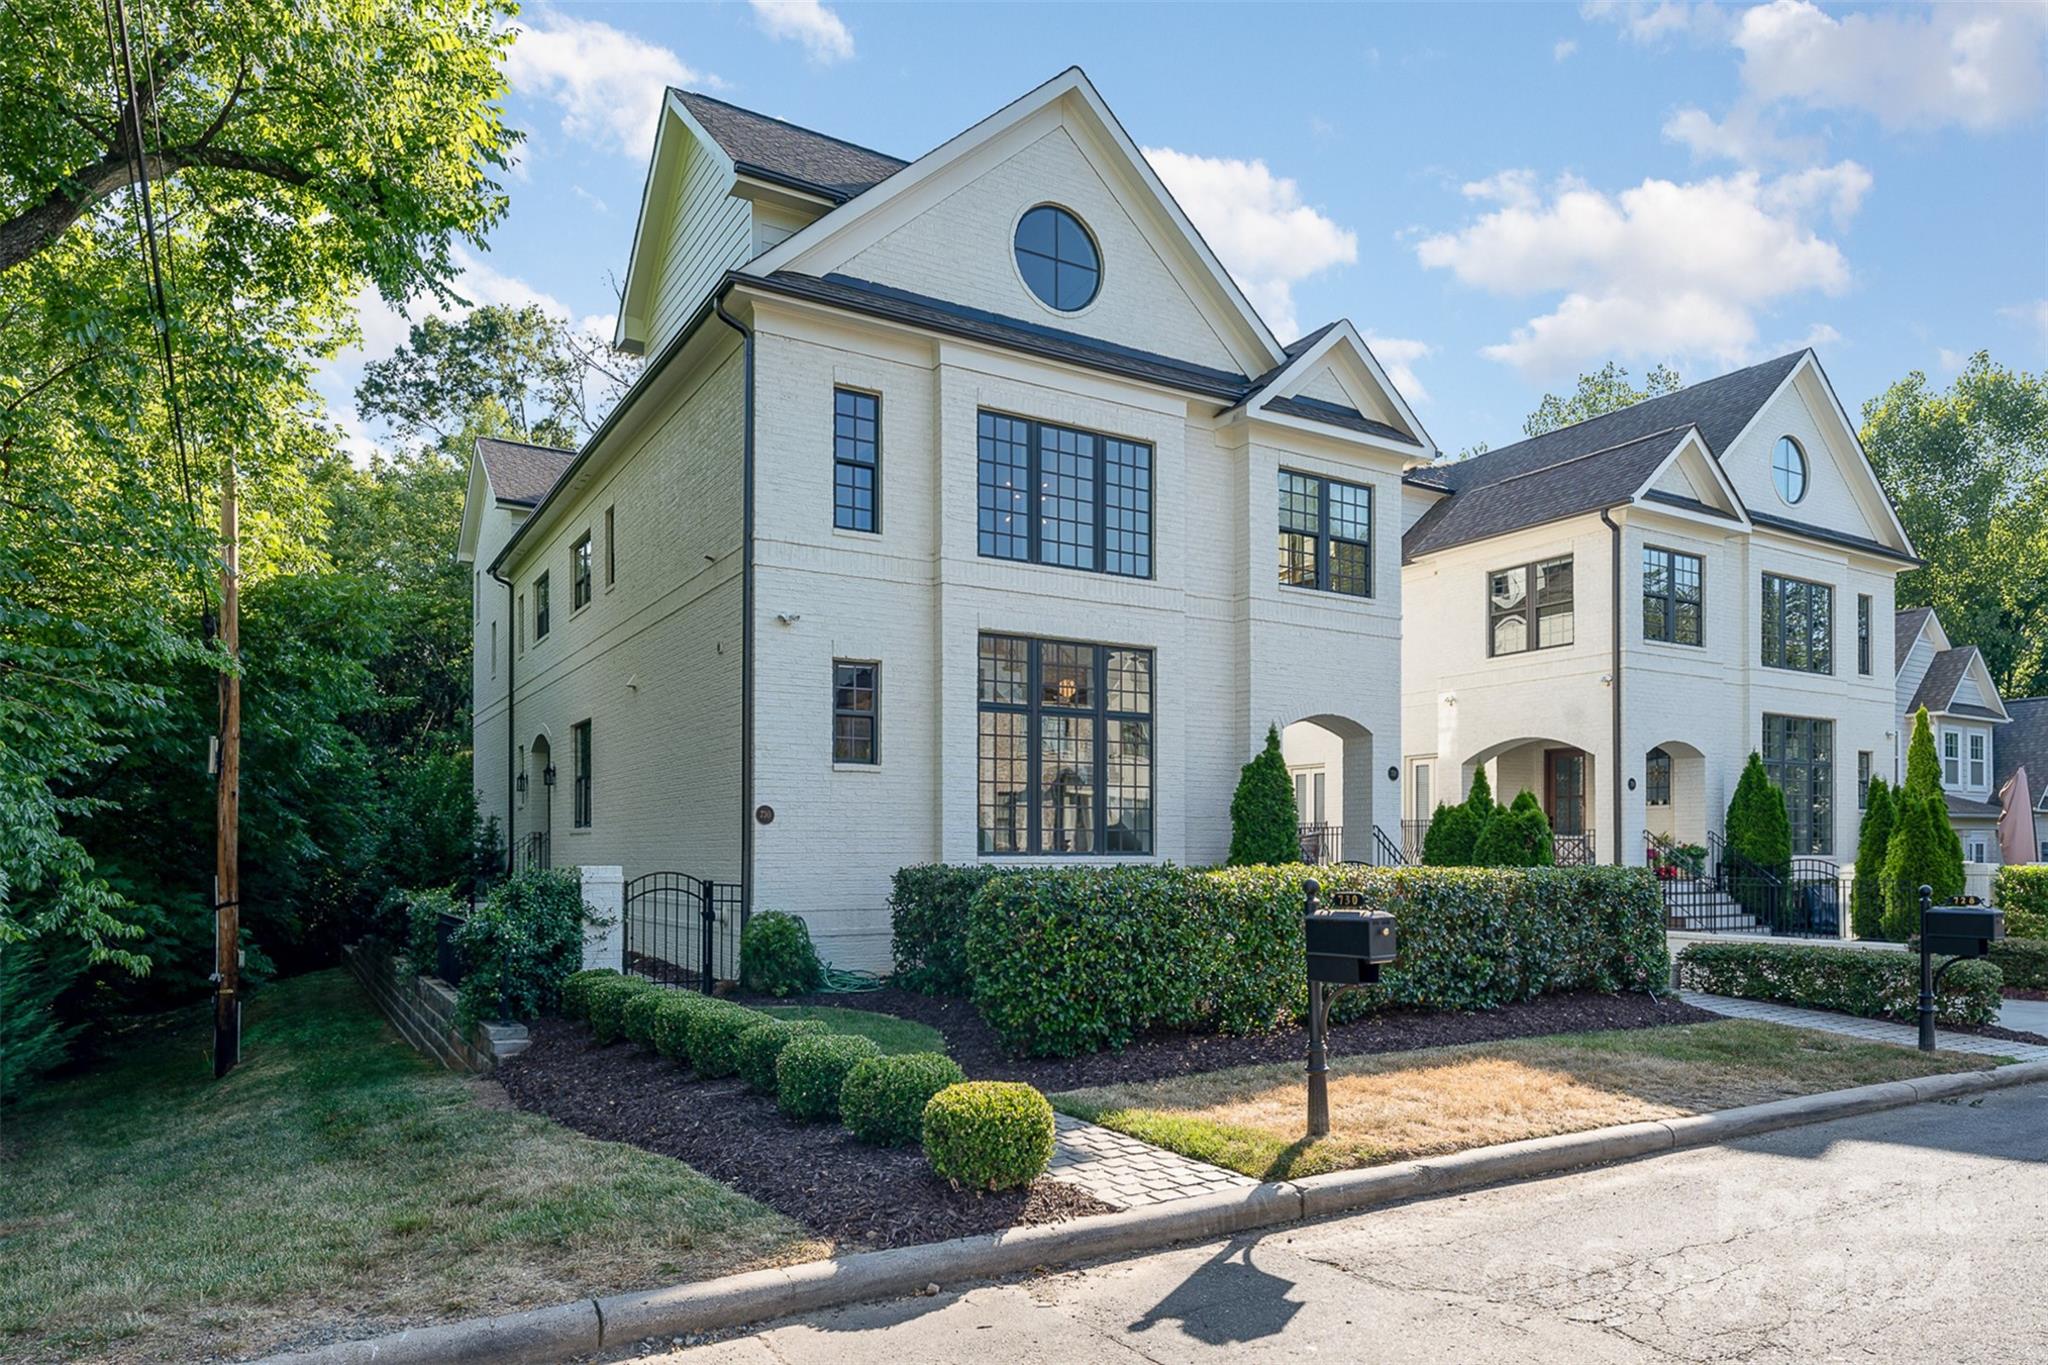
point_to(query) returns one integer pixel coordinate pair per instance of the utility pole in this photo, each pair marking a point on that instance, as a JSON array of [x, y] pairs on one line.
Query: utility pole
[[227, 906]]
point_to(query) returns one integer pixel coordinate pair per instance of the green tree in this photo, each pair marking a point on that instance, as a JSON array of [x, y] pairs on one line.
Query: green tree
[[1518, 836], [1605, 390], [1873, 840], [1923, 768], [1967, 469], [1452, 833], [1757, 825], [1918, 855], [1264, 825]]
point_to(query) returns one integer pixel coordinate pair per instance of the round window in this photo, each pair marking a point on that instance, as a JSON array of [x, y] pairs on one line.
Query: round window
[[1057, 258], [1788, 469]]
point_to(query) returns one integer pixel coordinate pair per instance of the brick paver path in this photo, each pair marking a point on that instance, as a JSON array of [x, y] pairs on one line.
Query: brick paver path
[[1876, 1030], [1124, 1171]]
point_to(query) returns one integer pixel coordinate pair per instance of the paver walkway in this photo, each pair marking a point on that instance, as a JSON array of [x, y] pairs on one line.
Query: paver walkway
[[1876, 1030], [1124, 1171]]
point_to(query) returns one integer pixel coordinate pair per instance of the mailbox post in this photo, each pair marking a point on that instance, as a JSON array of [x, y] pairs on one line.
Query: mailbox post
[[1347, 945], [1958, 933]]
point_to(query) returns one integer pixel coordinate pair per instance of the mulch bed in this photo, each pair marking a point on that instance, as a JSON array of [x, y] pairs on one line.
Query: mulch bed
[[1153, 1057], [815, 1173]]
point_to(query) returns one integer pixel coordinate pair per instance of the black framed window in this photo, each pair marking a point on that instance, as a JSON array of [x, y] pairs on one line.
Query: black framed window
[[1799, 625], [1057, 258], [856, 460], [1673, 609], [611, 547], [1657, 778], [856, 692], [1325, 534], [580, 747], [579, 572], [1054, 495], [1863, 769], [540, 608], [1529, 607], [1065, 750], [1799, 755], [1863, 633]]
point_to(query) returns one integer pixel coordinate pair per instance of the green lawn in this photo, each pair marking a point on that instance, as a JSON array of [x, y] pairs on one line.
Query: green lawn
[[334, 1181], [893, 1034], [1397, 1106]]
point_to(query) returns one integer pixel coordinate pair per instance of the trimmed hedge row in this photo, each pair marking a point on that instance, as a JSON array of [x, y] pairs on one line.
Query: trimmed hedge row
[[928, 907], [1072, 960], [1871, 983], [883, 1099], [2023, 962], [2021, 890]]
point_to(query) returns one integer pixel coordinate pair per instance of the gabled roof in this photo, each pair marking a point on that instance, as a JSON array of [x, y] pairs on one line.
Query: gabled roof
[[770, 149], [1321, 347], [1907, 623], [2023, 744], [520, 472], [1938, 689]]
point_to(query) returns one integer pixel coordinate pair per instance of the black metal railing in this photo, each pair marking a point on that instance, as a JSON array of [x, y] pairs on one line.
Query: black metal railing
[[1712, 888], [683, 930], [1573, 850], [1413, 834], [1387, 853], [1322, 843], [531, 853]]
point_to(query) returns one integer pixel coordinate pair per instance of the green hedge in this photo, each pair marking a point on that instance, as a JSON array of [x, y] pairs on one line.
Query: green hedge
[[928, 925], [672, 1022], [576, 990], [2022, 892], [988, 1135], [883, 1099], [1871, 982], [1073, 960], [2023, 962], [812, 1070], [712, 1036], [776, 956], [608, 1001], [636, 1017], [762, 1044]]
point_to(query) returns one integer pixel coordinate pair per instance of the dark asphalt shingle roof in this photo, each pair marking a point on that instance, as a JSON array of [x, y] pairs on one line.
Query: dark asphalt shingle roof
[[1971, 807], [1337, 415], [519, 471], [2023, 744], [1590, 482], [771, 149], [1938, 688], [1906, 623]]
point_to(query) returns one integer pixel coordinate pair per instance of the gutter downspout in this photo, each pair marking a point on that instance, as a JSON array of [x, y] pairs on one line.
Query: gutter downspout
[[746, 611], [1614, 616], [511, 718]]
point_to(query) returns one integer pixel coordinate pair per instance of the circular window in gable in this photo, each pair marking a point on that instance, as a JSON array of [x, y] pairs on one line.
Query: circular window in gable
[[1788, 469], [1058, 259]]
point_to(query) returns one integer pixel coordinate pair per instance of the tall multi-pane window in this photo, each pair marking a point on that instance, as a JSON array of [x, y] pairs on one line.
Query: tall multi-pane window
[[519, 625], [1065, 752], [1798, 624], [579, 572], [856, 460], [1054, 495], [1951, 758], [580, 735], [1863, 645], [1977, 760], [1529, 607], [1325, 534], [611, 548], [1657, 778], [1672, 609], [855, 694], [1799, 756], [1863, 769], [540, 608], [494, 649]]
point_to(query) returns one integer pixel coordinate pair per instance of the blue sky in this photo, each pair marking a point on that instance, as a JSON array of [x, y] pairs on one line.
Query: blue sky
[[1501, 196]]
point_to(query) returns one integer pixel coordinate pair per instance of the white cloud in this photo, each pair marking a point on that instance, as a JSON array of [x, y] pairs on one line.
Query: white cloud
[[1951, 360], [823, 34], [1397, 356], [1660, 271], [1654, 25], [1255, 221], [2035, 313], [608, 83], [1817, 336], [1742, 137], [1563, 48]]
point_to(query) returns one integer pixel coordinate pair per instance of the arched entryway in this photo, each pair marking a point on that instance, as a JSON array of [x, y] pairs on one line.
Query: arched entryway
[[1331, 761], [1675, 793], [1562, 775], [537, 791]]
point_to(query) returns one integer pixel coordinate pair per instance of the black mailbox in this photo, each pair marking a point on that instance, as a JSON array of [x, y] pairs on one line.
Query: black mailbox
[[1960, 931], [1347, 947]]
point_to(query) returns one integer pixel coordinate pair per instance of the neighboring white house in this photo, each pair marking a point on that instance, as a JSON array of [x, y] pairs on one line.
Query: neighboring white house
[[1616, 614], [965, 509], [1967, 716]]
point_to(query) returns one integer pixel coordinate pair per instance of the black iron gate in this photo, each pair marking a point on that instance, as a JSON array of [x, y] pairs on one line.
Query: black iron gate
[[683, 930]]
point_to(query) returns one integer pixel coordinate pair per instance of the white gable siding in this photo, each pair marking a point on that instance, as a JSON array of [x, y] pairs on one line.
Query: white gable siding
[[960, 249], [705, 232], [1675, 481], [1325, 385], [1968, 693], [1913, 671], [1832, 473]]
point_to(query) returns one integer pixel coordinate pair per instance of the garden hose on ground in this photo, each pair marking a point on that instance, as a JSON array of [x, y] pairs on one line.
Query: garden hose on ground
[[840, 981]]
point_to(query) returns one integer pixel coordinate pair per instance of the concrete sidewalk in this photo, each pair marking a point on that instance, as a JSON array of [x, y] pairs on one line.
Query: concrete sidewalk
[[1875, 1030]]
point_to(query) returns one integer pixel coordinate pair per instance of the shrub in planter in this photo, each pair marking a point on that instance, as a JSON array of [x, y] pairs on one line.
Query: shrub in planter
[[928, 907], [636, 1018], [811, 1070], [2021, 890], [883, 1099], [988, 1135], [576, 990], [712, 1036], [776, 956], [1265, 827], [519, 946], [608, 1001], [672, 1021], [761, 1044], [2023, 962], [1872, 983]]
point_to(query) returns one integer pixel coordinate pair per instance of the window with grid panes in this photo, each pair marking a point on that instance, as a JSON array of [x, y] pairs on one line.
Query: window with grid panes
[[1799, 756], [855, 691], [1055, 495], [1672, 607], [1325, 534], [856, 460]]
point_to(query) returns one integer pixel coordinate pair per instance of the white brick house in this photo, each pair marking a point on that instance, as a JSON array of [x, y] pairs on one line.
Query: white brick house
[[1616, 614], [940, 526]]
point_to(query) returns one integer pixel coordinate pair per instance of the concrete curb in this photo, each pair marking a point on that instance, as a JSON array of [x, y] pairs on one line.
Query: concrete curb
[[617, 1322]]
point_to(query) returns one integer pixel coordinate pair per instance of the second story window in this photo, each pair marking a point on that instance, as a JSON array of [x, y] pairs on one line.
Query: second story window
[[611, 547], [1863, 633], [1977, 764], [856, 460], [540, 608], [580, 748], [579, 573], [1054, 495], [1671, 596], [1325, 534], [1951, 759], [1529, 607], [1799, 625], [854, 692]]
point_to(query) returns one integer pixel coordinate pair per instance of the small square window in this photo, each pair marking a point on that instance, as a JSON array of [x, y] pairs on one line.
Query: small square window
[[855, 702]]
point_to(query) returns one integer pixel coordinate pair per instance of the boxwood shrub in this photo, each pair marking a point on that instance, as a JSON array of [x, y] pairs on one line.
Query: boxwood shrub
[[2023, 962], [883, 1099], [776, 956], [636, 1018], [608, 1004], [928, 925], [811, 1070], [1072, 960], [2021, 890], [1871, 982], [762, 1043], [712, 1036], [672, 1022], [576, 990], [988, 1135]]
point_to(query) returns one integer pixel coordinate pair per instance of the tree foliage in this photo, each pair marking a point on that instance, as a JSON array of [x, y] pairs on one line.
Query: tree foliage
[[1264, 824], [1758, 826], [1452, 833], [1918, 855], [1923, 768], [1517, 836], [1605, 390], [1873, 840]]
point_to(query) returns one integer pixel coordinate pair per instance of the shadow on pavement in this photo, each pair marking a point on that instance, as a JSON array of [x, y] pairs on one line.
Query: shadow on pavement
[[1228, 1301]]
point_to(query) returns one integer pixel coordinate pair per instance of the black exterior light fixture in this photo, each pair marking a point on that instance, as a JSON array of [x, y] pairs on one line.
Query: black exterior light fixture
[[1347, 946], [547, 776], [520, 782]]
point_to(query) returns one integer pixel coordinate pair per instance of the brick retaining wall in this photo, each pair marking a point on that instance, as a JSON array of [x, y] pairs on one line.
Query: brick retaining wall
[[422, 1009]]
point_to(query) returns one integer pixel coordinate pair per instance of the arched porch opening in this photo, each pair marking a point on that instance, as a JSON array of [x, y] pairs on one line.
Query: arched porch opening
[[1331, 761], [1561, 775], [1675, 793], [536, 784]]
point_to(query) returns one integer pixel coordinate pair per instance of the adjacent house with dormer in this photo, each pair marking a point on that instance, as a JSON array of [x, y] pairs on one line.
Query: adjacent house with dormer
[[1966, 713], [965, 509]]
